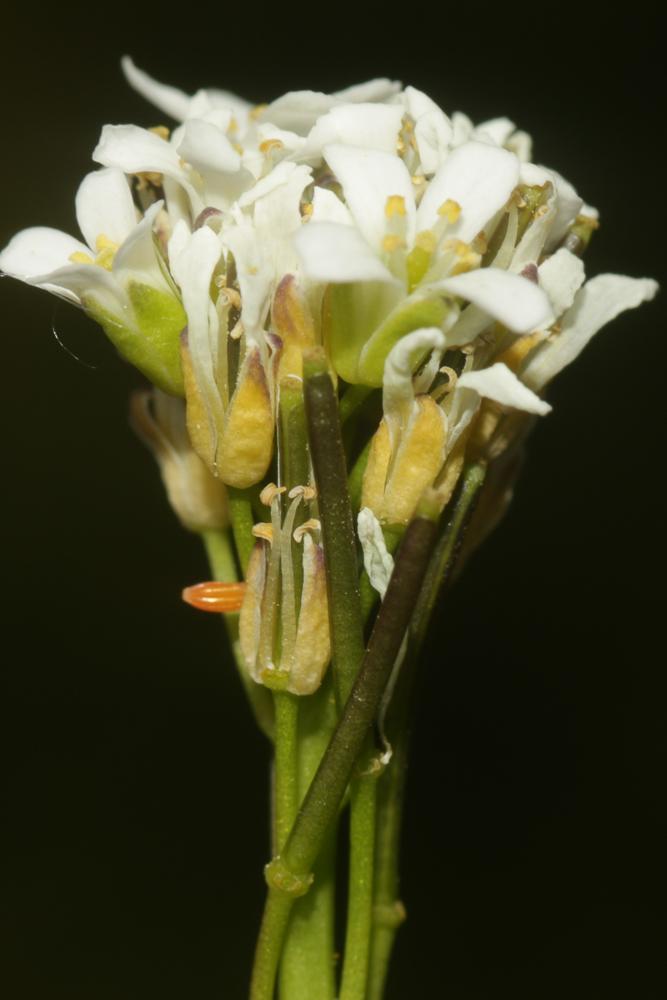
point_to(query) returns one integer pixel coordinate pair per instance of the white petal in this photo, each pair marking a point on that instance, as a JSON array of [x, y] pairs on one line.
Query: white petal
[[480, 178], [380, 89], [371, 126], [561, 277], [104, 206], [462, 127], [368, 179], [502, 385], [138, 254], [514, 301], [80, 282], [298, 110], [273, 180], [171, 100], [596, 304], [207, 148], [327, 207], [400, 364], [213, 99], [334, 252], [192, 264], [255, 276], [496, 130], [417, 103], [34, 253], [136, 150], [378, 561], [568, 203], [433, 134]]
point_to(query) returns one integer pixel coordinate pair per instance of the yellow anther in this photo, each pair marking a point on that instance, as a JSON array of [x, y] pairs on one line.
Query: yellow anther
[[257, 110], [146, 177], [233, 125], [270, 144], [312, 524], [263, 531], [392, 242], [81, 258], [307, 210], [161, 131], [395, 206], [418, 180], [450, 210], [106, 251], [400, 146], [270, 493], [238, 330], [426, 241]]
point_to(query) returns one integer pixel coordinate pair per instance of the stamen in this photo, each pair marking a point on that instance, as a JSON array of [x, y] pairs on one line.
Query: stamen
[[220, 598], [288, 607], [81, 258], [450, 210], [270, 144], [270, 492], [307, 492], [391, 242], [263, 531], [311, 525], [395, 205], [161, 131]]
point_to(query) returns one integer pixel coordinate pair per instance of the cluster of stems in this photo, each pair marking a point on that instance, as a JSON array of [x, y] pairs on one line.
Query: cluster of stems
[[331, 764]]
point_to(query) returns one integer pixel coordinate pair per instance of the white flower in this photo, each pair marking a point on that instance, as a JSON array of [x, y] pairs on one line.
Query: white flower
[[117, 276]]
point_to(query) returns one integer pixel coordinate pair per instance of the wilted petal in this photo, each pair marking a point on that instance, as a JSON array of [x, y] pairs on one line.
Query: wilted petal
[[378, 561], [502, 385], [478, 177], [338, 253], [596, 304]]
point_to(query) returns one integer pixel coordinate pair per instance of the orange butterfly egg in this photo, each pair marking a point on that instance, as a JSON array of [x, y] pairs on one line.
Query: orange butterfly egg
[[222, 598]]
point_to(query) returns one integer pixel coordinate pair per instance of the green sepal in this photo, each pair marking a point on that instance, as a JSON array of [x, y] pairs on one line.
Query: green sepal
[[152, 342], [410, 315], [352, 312]]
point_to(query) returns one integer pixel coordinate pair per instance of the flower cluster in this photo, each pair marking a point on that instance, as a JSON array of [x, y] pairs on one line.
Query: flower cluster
[[436, 264]]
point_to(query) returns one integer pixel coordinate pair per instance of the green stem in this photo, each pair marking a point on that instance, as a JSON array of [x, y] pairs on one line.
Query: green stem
[[289, 875], [360, 905], [240, 512], [388, 909], [307, 965], [220, 552], [338, 535], [286, 781]]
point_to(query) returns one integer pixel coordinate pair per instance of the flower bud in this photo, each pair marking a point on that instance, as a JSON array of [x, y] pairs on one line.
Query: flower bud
[[397, 474], [199, 500]]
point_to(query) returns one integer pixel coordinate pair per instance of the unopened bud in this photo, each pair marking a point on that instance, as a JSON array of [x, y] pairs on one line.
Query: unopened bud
[[396, 477], [199, 500]]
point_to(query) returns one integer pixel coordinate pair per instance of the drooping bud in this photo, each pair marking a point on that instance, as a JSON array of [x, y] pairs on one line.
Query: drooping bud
[[199, 500]]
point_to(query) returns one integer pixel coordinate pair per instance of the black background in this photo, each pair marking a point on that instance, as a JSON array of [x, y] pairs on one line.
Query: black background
[[134, 824]]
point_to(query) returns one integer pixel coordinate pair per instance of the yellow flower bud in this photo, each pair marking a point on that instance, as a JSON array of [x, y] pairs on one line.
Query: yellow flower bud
[[398, 472], [245, 446]]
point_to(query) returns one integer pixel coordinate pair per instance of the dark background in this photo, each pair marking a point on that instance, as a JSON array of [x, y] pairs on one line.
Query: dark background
[[134, 824]]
